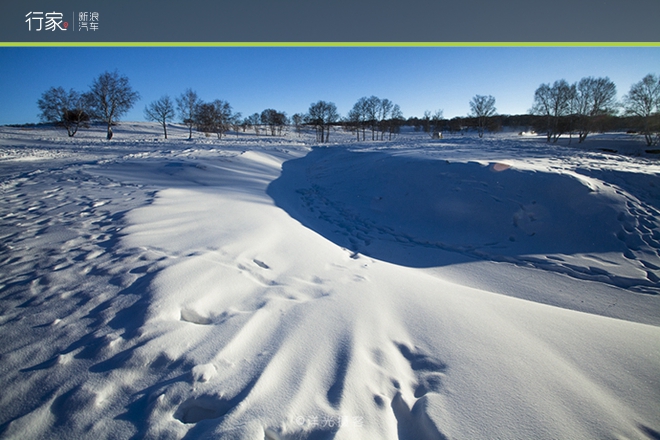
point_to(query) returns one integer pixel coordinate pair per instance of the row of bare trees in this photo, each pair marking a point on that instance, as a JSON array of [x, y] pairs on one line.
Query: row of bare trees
[[577, 108], [574, 107], [215, 117], [209, 117], [321, 116], [379, 116], [111, 96], [566, 108]]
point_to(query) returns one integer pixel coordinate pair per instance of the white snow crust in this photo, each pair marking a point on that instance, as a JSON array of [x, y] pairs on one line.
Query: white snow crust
[[272, 288]]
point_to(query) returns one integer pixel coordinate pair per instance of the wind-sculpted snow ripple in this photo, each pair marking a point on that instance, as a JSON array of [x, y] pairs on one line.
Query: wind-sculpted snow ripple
[[66, 285]]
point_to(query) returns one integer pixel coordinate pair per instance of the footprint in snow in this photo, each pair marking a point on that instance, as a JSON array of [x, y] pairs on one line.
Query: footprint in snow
[[261, 264], [195, 317], [414, 422]]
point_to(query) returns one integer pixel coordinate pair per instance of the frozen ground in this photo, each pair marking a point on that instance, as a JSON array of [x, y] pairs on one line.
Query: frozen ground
[[270, 288]]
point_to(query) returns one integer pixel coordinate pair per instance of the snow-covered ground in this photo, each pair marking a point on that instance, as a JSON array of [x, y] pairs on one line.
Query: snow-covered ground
[[271, 288]]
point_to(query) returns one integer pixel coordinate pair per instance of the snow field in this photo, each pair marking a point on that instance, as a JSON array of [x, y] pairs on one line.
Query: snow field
[[252, 288]]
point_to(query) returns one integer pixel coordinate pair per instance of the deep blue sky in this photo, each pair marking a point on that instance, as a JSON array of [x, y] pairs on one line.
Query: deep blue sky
[[290, 79]]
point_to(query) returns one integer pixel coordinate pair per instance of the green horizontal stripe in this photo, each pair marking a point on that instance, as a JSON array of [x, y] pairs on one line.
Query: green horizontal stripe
[[332, 44]]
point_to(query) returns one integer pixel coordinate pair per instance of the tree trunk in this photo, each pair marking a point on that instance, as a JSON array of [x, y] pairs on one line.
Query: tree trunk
[[648, 137], [582, 137]]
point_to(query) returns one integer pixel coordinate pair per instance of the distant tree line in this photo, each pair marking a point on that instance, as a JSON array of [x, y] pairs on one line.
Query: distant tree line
[[584, 107], [429, 123]]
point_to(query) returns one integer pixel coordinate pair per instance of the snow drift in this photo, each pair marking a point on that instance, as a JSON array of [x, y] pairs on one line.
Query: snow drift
[[260, 289], [493, 211]]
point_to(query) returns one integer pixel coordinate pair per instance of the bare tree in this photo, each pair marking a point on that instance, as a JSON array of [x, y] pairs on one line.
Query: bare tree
[[322, 115], [67, 109], [214, 117], [643, 101], [225, 115], [205, 119], [237, 122], [187, 105], [395, 122], [371, 112], [254, 120], [267, 118], [298, 120], [245, 124], [553, 102], [432, 122], [384, 110], [594, 97], [437, 121], [426, 121], [482, 108], [274, 120], [281, 121], [357, 117], [377, 114], [161, 111], [111, 96]]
